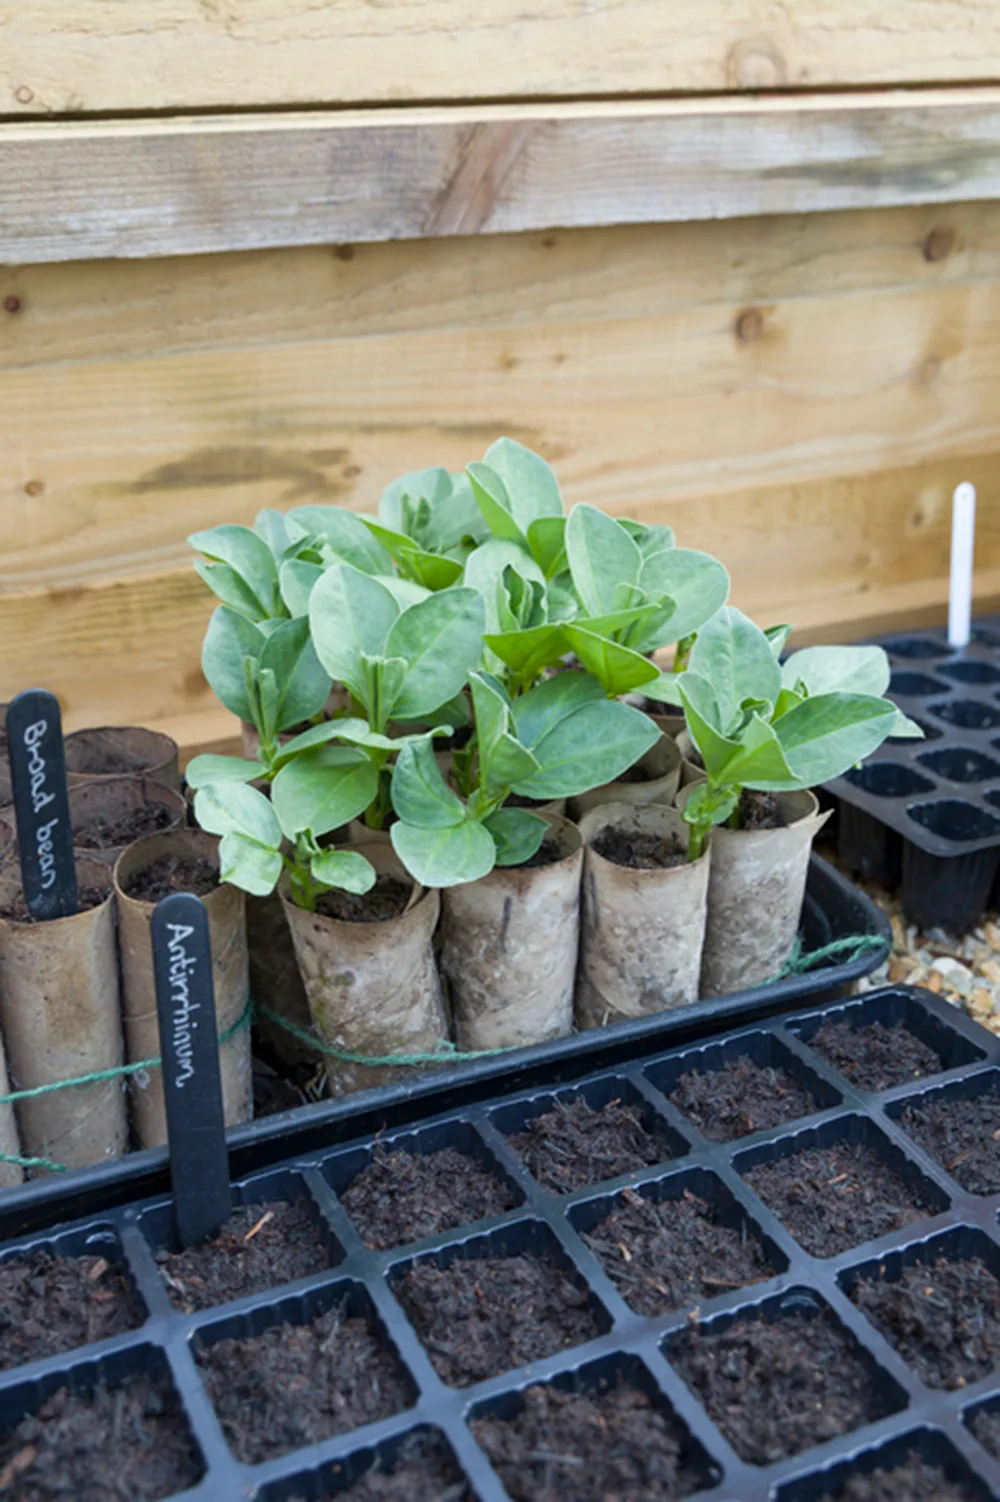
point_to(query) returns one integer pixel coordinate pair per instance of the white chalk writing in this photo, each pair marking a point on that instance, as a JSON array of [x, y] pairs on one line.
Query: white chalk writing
[[183, 1024], [40, 798]]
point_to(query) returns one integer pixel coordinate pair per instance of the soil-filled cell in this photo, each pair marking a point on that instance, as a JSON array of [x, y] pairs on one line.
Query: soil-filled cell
[[959, 764], [291, 1385], [916, 1467], [875, 1057], [130, 1440], [51, 1303], [970, 670], [404, 1196], [478, 1316], [664, 1253], [730, 1091], [915, 647], [419, 1467], [911, 685], [941, 1314], [575, 1143], [960, 1128], [259, 1246], [836, 1194], [777, 1386], [611, 1441]]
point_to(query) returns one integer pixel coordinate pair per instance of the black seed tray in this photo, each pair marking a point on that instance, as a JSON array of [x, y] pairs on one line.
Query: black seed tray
[[903, 1413], [926, 814]]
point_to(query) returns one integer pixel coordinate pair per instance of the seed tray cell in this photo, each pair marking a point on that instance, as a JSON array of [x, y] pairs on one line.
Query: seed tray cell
[[621, 1351], [923, 815]]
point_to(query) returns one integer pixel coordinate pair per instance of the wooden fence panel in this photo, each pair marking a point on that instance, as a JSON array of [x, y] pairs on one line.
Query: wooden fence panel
[[799, 395], [69, 56]]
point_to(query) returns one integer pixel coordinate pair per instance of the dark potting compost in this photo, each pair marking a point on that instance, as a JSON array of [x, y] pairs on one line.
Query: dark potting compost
[[402, 1197], [107, 834], [174, 873], [740, 1098], [386, 899], [50, 1304], [832, 1198], [665, 1255], [259, 1246], [480, 1316], [294, 1385], [943, 1319], [421, 1471], [87, 897], [759, 811], [639, 851], [547, 854], [875, 1057], [131, 1443], [573, 1145], [962, 1133], [591, 1446], [777, 1387], [913, 1481], [572, 1337]]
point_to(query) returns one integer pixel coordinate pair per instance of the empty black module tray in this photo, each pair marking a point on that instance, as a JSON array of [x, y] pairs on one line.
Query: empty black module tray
[[926, 814], [631, 1340]]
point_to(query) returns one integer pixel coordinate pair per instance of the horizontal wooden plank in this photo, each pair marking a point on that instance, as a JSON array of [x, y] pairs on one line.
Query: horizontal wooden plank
[[107, 465], [178, 186], [101, 310], [97, 55], [839, 557]]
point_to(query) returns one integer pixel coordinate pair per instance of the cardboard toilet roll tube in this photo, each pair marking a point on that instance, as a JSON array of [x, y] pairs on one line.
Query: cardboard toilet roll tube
[[230, 977], [122, 751], [60, 1015], [373, 987]]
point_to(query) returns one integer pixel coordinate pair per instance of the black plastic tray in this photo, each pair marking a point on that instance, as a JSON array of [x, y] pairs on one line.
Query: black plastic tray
[[913, 1416], [834, 909], [927, 813]]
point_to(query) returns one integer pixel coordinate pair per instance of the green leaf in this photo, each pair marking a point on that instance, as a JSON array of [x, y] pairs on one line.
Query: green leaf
[[588, 748], [249, 865], [297, 580], [484, 571], [440, 640], [527, 653], [648, 539], [226, 583], [547, 541], [350, 613], [445, 857], [430, 570], [345, 535], [602, 558], [405, 592], [530, 484], [344, 869], [778, 636], [420, 795], [664, 689], [760, 761], [701, 716], [825, 735], [494, 503], [234, 808], [248, 556], [229, 639], [540, 710], [619, 669], [321, 790], [273, 528], [308, 740], [303, 682], [517, 835], [903, 728], [838, 670], [503, 760], [735, 656], [203, 770], [786, 700], [696, 582], [432, 485]]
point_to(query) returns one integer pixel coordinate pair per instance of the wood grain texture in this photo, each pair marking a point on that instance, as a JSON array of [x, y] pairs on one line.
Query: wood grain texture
[[172, 187], [68, 56], [798, 395]]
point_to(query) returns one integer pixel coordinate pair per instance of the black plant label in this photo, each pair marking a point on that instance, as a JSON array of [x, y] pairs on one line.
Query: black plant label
[[41, 804], [192, 1085]]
